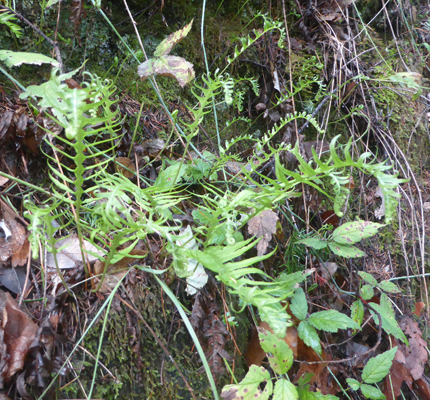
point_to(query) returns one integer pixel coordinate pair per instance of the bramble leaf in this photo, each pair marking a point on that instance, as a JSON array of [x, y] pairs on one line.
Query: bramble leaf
[[389, 287], [366, 292], [280, 355], [377, 368], [285, 390], [368, 278], [248, 388], [310, 336], [314, 242], [357, 312], [299, 304], [372, 392], [353, 232], [331, 321], [389, 323], [345, 250], [355, 385]]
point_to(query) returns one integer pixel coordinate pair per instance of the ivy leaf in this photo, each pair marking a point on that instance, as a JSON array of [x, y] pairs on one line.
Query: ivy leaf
[[248, 388], [357, 312], [377, 368], [314, 242], [372, 392], [280, 355], [299, 304], [166, 46], [16, 58], [389, 287], [310, 336], [345, 250], [353, 232], [368, 278], [366, 292], [174, 66], [331, 321], [285, 390], [355, 385]]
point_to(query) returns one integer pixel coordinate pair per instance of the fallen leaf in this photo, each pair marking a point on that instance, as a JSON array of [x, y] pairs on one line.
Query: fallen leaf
[[71, 255], [174, 66], [398, 374], [418, 308], [415, 354], [263, 226], [14, 244], [19, 332], [125, 167]]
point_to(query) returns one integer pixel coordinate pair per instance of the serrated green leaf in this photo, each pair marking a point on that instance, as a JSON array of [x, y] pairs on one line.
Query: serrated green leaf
[[16, 58], [355, 385], [299, 304], [285, 390], [248, 388], [377, 368], [314, 242], [368, 278], [280, 355], [366, 292], [331, 321], [372, 392], [171, 175], [357, 312], [345, 250], [389, 323], [166, 46], [310, 336], [389, 287], [353, 232], [278, 319]]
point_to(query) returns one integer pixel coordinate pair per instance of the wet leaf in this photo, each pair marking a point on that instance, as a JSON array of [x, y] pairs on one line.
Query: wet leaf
[[263, 226]]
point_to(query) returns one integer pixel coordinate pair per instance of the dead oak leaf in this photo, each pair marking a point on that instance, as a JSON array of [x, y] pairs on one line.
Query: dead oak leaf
[[263, 225]]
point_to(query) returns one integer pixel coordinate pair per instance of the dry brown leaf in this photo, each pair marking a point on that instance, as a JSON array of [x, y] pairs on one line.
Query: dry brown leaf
[[399, 374], [19, 332], [415, 354], [423, 390], [15, 245], [264, 226], [418, 308], [125, 167], [116, 271]]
